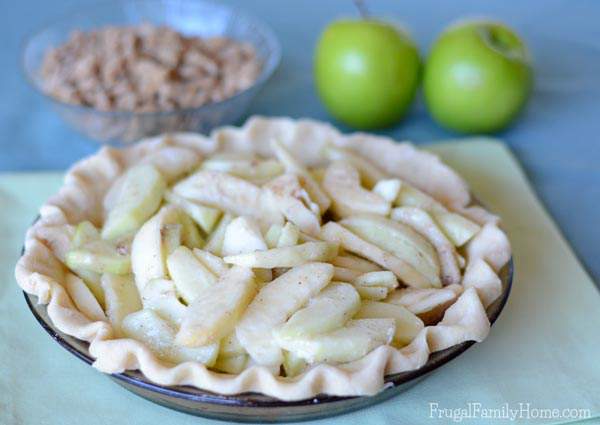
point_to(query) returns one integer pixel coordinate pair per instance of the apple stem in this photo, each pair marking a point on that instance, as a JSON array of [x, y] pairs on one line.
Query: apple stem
[[362, 8]]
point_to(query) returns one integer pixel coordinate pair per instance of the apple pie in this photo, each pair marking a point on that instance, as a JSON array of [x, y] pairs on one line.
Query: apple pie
[[281, 257]]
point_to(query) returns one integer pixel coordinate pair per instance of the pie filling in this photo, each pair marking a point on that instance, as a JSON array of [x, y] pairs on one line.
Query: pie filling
[[263, 260]]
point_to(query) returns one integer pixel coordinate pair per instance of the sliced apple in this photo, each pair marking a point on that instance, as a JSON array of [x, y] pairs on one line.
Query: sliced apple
[[229, 193], [289, 256], [369, 173], [373, 293], [232, 365], [93, 282], [60, 240], [85, 232], [408, 325], [152, 244], [457, 228], [429, 304], [422, 222], [83, 298], [388, 189], [215, 264], [290, 234], [333, 232], [375, 285], [231, 347], [86, 251], [233, 358], [171, 237], [205, 217], [121, 297], [295, 203], [138, 199], [305, 237], [190, 234], [217, 310], [410, 196], [383, 278], [326, 311], [351, 342], [100, 256], [308, 182], [273, 234], [274, 304], [160, 295], [148, 327], [344, 274], [215, 241], [242, 235], [191, 277], [342, 184], [354, 262], [400, 240], [293, 365], [250, 168]]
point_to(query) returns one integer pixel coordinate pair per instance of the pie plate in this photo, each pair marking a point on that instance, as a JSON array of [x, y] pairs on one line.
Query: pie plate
[[252, 407]]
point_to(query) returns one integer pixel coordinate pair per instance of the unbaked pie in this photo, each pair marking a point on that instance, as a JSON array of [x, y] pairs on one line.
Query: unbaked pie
[[281, 257]]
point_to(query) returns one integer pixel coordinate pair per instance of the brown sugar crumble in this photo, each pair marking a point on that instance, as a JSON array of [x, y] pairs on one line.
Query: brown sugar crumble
[[147, 68]]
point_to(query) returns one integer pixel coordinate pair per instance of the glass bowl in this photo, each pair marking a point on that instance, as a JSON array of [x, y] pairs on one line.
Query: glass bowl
[[190, 17]]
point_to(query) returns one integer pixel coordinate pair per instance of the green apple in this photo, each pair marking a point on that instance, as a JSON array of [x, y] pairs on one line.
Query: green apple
[[366, 72], [477, 77]]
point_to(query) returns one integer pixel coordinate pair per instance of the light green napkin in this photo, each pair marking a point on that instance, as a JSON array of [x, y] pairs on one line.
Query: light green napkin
[[543, 352]]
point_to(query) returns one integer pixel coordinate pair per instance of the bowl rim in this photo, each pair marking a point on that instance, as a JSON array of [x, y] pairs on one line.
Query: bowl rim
[[270, 64], [440, 358]]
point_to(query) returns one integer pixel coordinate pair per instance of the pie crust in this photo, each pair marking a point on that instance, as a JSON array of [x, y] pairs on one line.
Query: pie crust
[[40, 273]]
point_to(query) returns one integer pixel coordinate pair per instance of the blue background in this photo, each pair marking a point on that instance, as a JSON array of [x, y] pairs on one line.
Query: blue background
[[556, 139]]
